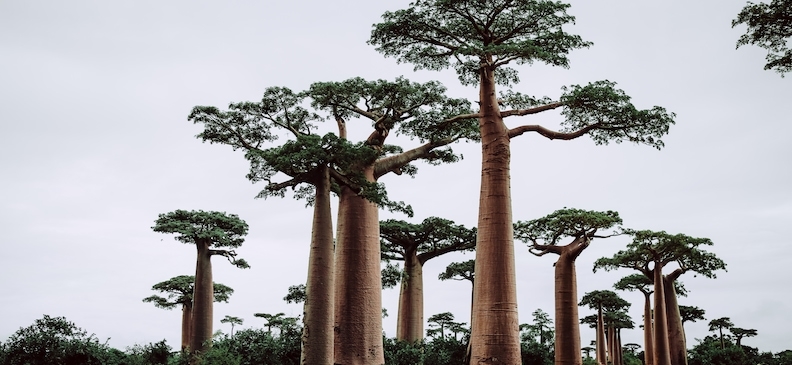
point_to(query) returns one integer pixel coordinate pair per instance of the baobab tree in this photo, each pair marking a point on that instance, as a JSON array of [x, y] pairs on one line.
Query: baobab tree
[[213, 234], [545, 235], [480, 40], [180, 293], [769, 27], [234, 321], [641, 283], [272, 319], [719, 324], [411, 109], [649, 252], [306, 160], [415, 244], [602, 301], [739, 333], [441, 321]]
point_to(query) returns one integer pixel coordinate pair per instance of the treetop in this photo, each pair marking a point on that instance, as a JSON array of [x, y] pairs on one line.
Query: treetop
[[471, 34], [606, 299], [567, 222], [430, 238], [218, 229]]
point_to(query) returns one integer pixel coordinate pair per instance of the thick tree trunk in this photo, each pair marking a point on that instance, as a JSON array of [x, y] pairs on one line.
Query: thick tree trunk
[[186, 325], [602, 355], [611, 345], [203, 299], [676, 336], [409, 326], [648, 331], [358, 294], [317, 336], [662, 355], [618, 351], [567, 325], [495, 337]]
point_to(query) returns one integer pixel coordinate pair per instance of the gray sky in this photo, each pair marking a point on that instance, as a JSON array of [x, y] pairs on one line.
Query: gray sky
[[95, 143]]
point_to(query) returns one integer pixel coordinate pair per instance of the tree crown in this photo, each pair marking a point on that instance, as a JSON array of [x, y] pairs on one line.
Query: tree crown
[[769, 27], [431, 238], [469, 35], [180, 292]]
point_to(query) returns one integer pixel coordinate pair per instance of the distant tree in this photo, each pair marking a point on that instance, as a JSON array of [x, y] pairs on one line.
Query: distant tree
[[739, 333], [656, 250], [415, 244], [233, 321], [720, 324], [602, 301], [441, 321], [180, 293], [587, 350], [769, 27], [53, 340], [545, 235], [480, 40], [642, 284], [272, 319], [540, 330], [208, 231]]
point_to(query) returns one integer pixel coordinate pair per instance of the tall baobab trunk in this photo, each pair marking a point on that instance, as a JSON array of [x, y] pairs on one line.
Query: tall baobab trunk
[[648, 331], [410, 319], [612, 357], [662, 355], [317, 336], [619, 353], [203, 299], [495, 330], [567, 324], [186, 325], [358, 294], [676, 335], [602, 355]]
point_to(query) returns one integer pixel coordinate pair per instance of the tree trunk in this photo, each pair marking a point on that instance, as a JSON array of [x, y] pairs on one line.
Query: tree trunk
[[317, 336], [662, 355], [186, 322], [409, 326], [676, 337], [203, 299], [602, 355], [567, 325], [619, 352], [358, 294], [648, 332], [495, 334], [611, 344]]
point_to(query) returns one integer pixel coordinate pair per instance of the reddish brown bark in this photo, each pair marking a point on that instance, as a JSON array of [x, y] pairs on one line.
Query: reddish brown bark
[[648, 331], [411, 318], [317, 336], [676, 336], [612, 357], [186, 325], [567, 324], [203, 299], [358, 297], [495, 328], [602, 352], [662, 355]]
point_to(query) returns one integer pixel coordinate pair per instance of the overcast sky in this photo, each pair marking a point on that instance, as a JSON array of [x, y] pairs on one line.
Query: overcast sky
[[95, 143]]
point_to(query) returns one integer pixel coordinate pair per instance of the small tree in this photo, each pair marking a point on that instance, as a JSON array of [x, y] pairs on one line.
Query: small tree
[[415, 244], [643, 284], [545, 235], [769, 27], [233, 321], [739, 333], [272, 319], [720, 324], [441, 321], [603, 301], [180, 293], [209, 232]]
